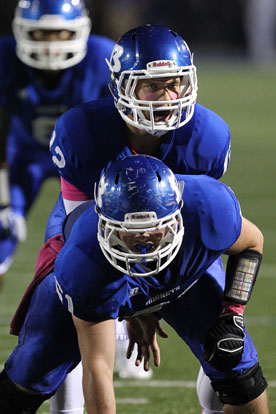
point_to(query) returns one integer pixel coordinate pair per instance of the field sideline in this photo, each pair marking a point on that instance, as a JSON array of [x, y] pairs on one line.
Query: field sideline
[[246, 99]]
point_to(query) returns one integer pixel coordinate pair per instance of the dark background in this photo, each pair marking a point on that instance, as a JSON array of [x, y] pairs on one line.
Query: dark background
[[208, 25], [235, 29]]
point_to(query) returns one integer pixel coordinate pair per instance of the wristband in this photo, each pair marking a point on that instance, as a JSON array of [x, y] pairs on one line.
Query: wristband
[[229, 307], [4, 188]]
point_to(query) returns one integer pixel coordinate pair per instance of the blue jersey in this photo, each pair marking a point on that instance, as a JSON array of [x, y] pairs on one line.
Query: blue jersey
[[88, 136], [93, 289], [34, 108]]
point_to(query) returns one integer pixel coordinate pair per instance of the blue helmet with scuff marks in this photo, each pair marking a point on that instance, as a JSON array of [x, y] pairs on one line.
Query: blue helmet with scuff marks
[[139, 195]]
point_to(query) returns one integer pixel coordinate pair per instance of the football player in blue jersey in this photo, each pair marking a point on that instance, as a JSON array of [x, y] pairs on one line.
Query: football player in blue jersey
[[154, 87], [51, 64], [145, 249]]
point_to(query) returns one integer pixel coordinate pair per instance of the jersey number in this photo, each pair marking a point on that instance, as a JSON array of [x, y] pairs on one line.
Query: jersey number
[[58, 159], [68, 300]]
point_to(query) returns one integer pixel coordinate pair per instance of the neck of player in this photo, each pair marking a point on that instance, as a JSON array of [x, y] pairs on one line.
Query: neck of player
[[141, 141], [50, 79]]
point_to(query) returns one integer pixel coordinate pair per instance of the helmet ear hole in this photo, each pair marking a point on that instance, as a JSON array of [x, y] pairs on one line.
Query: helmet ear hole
[[173, 33], [158, 176]]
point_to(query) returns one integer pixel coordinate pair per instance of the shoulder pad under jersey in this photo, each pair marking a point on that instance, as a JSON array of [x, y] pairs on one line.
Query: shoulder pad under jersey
[[208, 149], [83, 142], [211, 211]]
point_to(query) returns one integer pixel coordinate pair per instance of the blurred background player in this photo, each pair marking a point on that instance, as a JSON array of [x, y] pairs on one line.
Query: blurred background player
[[51, 64], [154, 87]]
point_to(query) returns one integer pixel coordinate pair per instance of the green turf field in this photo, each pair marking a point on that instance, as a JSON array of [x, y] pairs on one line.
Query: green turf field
[[246, 99]]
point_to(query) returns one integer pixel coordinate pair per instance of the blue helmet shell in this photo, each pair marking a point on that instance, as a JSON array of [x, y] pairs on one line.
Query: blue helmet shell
[[34, 9], [150, 43], [138, 183]]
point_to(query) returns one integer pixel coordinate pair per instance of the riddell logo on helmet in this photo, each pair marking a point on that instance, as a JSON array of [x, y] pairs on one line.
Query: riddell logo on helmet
[[160, 63], [140, 216]]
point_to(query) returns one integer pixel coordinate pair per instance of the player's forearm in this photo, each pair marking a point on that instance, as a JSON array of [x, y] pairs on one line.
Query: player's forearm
[[99, 393], [4, 183], [4, 187], [97, 347]]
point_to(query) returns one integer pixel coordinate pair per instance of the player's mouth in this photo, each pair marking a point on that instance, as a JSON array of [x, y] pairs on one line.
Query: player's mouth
[[143, 247], [162, 116]]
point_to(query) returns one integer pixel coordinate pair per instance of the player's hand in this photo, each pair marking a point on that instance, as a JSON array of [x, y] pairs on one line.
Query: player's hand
[[142, 331], [224, 343], [12, 224]]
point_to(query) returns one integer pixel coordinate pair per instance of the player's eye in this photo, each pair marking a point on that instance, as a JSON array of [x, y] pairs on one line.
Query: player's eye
[[36, 35], [153, 86], [174, 85], [65, 35]]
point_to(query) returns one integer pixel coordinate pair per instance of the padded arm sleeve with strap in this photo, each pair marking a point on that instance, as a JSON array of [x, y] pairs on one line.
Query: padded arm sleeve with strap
[[241, 273]]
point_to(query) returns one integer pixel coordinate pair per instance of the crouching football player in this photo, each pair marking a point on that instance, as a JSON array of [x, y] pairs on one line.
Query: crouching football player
[[144, 250]]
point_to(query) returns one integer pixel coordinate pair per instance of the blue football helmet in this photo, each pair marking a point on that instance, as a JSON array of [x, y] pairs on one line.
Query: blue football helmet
[[51, 15], [136, 195], [152, 52]]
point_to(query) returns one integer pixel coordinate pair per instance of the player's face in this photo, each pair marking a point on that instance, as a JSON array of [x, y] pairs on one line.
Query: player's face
[[51, 35], [163, 89], [149, 239]]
